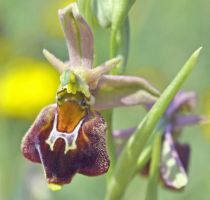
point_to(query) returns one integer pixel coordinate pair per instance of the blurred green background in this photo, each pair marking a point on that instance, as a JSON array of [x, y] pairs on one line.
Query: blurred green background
[[163, 35]]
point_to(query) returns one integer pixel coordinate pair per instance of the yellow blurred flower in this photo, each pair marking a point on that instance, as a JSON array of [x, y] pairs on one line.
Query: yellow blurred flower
[[26, 87], [50, 19]]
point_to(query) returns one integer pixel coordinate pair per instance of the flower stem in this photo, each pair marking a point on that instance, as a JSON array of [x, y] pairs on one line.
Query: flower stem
[[110, 142], [126, 165], [119, 45], [113, 43], [154, 169]]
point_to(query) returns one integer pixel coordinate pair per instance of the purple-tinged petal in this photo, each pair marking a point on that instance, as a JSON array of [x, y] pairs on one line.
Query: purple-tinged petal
[[172, 170], [124, 133], [181, 99], [58, 64], [149, 106], [78, 35], [92, 76], [115, 91], [185, 120]]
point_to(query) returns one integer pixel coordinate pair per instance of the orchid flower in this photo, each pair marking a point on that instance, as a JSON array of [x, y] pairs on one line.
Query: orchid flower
[[68, 137], [174, 156]]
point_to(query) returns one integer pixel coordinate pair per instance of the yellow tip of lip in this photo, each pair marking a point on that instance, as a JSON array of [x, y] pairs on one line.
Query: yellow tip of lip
[[54, 187]]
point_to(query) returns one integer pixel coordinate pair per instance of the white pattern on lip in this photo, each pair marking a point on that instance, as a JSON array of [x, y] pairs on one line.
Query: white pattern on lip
[[69, 138]]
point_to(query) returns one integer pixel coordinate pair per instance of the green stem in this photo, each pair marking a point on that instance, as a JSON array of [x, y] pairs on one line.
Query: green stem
[[152, 193], [147, 151], [110, 142], [126, 164], [144, 157], [108, 116], [119, 45], [113, 43]]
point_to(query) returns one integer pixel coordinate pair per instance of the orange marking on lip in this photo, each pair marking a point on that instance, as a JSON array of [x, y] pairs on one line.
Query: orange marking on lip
[[69, 115]]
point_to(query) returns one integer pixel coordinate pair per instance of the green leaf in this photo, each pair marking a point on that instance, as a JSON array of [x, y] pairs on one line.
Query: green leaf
[[126, 164]]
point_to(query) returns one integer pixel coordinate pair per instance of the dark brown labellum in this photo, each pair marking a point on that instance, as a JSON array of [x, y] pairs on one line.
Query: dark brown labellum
[[67, 145]]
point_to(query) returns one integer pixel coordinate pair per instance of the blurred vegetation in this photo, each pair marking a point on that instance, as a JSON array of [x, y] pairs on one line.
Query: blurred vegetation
[[163, 34]]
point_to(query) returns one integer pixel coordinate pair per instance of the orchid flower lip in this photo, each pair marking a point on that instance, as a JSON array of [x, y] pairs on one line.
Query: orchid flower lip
[[89, 157]]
